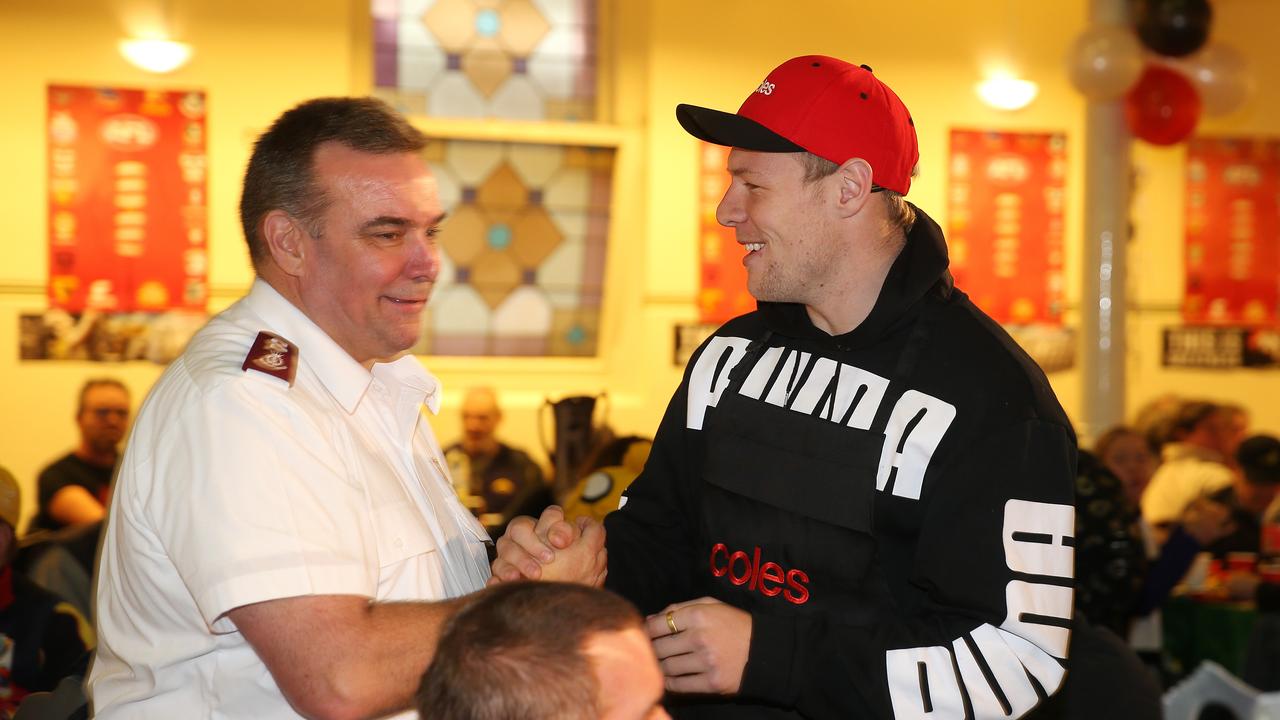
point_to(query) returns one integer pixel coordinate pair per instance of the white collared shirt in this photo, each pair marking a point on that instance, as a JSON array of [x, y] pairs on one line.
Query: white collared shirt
[[236, 488], [1187, 472]]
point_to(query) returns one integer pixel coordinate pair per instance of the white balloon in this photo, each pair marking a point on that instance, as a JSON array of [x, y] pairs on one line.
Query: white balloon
[[1105, 61], [1221, 75]]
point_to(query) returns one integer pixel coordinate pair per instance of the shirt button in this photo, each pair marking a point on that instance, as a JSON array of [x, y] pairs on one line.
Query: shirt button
[[399, 542]]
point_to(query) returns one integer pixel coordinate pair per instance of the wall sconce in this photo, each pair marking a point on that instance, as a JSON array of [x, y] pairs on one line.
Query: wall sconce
[[157, 56], [1005, 92]]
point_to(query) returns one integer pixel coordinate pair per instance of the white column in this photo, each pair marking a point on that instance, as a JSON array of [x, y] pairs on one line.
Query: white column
[[1106, 234]]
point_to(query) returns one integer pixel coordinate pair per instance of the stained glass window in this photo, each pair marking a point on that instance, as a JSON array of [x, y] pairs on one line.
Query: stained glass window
[[523, 249], [514, 59]]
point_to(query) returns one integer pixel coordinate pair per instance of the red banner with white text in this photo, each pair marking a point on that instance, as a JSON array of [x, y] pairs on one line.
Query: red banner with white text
[[1005, 204], [127, 199], [1233, 232]]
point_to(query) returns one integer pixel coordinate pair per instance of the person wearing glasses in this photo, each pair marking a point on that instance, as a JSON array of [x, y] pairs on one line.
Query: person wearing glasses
[[75, 489]]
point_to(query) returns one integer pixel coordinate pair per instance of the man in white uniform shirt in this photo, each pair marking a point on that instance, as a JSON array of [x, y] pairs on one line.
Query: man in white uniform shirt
[[282, 499]]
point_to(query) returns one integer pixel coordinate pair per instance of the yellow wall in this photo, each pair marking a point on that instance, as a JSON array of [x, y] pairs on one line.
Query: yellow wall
[[256, 58], [253, 58]]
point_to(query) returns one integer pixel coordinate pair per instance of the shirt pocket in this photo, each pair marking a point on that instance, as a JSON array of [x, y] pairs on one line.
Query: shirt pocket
[[402, 533]]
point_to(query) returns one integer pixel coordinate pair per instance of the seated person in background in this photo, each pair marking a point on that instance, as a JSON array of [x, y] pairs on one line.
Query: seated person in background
[[1237, 428], [1195, 463], [1125, 452], [495, 480], [74, 490], [543, 651], [1110, 556], [42, 638], [1126, 455], [1154, 421], [1122, 576], [62, 562], [607, 475], [1248, 497]]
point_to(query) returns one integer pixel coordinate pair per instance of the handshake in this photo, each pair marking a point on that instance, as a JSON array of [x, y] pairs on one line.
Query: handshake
[[552, 548], [701, 645]]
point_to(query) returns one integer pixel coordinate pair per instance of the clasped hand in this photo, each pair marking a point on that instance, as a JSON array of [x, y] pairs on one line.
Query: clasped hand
[[705, 652], [551, 548]]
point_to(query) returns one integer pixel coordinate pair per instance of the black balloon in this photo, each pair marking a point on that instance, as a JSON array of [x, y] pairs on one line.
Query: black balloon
[[1172, 27]]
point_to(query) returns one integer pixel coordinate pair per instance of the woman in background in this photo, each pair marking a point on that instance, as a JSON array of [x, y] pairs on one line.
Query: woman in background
[[1123, 574]]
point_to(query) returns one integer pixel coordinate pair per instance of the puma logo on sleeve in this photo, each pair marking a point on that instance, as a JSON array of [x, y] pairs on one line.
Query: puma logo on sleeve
[[994, 666]]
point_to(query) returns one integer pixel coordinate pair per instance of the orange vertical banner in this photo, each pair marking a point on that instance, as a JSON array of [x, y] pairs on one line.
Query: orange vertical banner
[[1005, 202], [1233, 232], [127, 199]]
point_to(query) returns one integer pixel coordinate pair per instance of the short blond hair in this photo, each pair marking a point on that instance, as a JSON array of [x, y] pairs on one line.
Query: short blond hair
[[900, 212]]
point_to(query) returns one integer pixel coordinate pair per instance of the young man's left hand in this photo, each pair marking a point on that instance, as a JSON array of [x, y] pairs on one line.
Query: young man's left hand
[[708, 651]]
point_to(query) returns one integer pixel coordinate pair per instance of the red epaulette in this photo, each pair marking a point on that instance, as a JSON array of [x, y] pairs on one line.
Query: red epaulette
[[273, 355]]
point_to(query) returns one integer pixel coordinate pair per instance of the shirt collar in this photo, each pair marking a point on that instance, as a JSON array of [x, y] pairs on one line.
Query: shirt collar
[[344, 378], [341, 375], [406, 375]]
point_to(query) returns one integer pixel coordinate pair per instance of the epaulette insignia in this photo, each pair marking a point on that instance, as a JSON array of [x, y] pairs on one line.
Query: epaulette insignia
[[273, 355]]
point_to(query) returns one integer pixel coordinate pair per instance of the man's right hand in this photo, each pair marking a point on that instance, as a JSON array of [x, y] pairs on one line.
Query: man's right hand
[[551, 549]]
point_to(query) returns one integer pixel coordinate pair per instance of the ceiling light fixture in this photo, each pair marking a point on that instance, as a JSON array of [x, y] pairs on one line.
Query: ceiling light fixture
[[157, 56], [1005, 92]]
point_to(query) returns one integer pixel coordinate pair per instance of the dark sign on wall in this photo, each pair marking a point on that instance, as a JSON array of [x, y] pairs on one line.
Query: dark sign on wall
[[688, 336], [1221, 347]]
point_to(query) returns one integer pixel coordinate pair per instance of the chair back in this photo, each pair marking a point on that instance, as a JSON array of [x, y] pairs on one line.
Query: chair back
[[66, 702], [1209, 686]]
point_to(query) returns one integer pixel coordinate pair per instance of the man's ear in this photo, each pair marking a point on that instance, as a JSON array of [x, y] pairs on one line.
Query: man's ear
[[285, 241], [854, 178]]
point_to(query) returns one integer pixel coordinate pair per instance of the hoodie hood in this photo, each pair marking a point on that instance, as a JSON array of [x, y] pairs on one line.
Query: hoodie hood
[[918, 269]]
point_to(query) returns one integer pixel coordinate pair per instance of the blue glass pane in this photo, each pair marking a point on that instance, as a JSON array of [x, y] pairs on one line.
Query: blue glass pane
[[498, 236], [488, 23]]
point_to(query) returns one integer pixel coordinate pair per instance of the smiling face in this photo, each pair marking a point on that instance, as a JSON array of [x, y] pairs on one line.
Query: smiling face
[[366, 279], [781, 221]]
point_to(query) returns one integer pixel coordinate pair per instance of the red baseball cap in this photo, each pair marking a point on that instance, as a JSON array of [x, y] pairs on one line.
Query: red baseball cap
[[824, 106]]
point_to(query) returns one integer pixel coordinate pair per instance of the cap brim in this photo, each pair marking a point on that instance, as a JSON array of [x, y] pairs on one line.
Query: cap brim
[[722, 128]]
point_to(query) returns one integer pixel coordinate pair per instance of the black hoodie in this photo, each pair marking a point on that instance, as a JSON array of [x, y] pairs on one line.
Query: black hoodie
[[893, 506]]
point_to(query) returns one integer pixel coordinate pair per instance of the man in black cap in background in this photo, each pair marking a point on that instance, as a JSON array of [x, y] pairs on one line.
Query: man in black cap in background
[[1250, 494]]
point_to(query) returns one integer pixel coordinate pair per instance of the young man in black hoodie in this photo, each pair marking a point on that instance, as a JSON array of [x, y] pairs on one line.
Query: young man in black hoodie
[[859, 501]]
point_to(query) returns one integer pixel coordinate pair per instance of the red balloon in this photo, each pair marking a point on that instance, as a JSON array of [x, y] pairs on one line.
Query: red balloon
[[1163, 107]]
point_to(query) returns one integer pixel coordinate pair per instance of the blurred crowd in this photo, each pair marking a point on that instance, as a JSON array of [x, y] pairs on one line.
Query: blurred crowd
[[1175, 504]]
